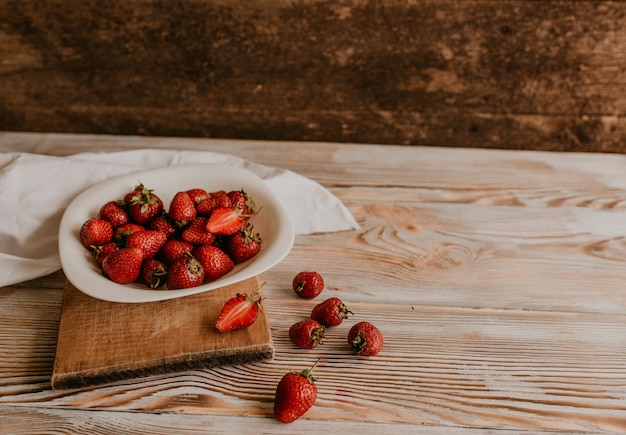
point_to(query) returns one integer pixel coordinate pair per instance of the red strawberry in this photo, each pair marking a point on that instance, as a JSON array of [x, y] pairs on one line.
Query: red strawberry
[[172, 250], [296, 393], [182, 209], [153, 272], [123, 266], [225, 221], [243, 245], [122, 233], [365, 339], [186, 272], [331, 312], [99, 252], [307, 334], [196, 232], [205, 208], [308, 285], [161, 223], [113, 212], [216, 262], [198, 195], [95, 232], [242, 201], [150, 242], [239, 312], [144, 206], [221, 199]]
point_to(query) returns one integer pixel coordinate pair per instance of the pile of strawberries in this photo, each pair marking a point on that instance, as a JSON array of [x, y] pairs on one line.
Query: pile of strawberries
[[198, 239]]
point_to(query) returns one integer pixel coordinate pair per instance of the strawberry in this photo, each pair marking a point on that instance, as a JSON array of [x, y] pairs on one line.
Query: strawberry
[[95, 232], [113, 212], [172, 250], [196, 232], [221, 199], [123, 265], [161, 223], [365, 339], [243, 245], [239, 312], [123, 232], [153, 272], [225, 221], [197, 195], [331, 312], [150, 241], [308, 285], [242, 201], [101, 251], [182, 209], [186, 272], [296, 393], [307, 334], [216, 262], [144, 206]]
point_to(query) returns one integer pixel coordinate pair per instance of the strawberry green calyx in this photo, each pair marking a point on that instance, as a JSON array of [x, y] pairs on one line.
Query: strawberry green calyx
[[306, 373]]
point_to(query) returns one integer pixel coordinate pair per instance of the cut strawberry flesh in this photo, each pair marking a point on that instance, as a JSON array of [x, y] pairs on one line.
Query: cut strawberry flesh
[[239, 312], [225, 221]]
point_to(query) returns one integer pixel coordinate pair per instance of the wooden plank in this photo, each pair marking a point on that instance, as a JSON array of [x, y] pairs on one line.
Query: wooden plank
[[101, 341], [508, 74]]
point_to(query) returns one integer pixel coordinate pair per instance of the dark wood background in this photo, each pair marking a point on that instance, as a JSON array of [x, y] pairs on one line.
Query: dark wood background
[[519, 74]]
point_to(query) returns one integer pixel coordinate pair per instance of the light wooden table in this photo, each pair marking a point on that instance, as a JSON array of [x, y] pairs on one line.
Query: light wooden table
[[497, 277]]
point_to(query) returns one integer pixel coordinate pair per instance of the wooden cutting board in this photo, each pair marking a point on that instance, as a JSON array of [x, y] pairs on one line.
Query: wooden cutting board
[[100, 342]]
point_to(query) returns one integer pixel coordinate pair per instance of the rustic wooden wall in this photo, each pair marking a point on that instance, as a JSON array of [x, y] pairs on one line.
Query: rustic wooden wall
[[521, 74]]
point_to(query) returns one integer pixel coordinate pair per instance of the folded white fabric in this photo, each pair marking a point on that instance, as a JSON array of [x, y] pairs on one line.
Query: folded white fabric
[[35, 190]]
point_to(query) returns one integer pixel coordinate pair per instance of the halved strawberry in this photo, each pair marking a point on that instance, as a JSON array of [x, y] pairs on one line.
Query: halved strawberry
[[239, 312], [225, 221]]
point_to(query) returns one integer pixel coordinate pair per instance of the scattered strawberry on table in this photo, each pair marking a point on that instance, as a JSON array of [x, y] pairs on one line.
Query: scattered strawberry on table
[[197, 239], [307, 334], [296, 393], [308, 284], [331, 312], [365, 339]]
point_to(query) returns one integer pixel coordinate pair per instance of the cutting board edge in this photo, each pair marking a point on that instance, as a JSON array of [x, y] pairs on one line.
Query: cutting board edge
[[88, 378]]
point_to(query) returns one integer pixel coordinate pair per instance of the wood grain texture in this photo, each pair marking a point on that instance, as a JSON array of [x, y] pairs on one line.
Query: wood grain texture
[[508, 74], [496, 276], [101, 342]]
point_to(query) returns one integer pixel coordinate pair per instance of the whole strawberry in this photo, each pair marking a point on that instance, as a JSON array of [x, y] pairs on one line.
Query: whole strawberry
[[243, 245], [150, 241], [196, 232], [242, 201], [186, 272], [239, 312], [144, 206], [172, 250], [307, 334], [153, 272], [365, 339], [162, 223], [121, 233], [216, 263], [295, 394], [308, 285], [123, 265], [113, 212], [182, 209], [95, 232], [101, 251], [331, 312]]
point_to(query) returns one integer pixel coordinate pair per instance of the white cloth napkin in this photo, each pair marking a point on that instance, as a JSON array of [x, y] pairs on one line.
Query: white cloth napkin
[[35, 190]]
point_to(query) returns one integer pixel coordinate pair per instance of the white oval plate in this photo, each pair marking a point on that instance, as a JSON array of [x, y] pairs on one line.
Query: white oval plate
[[272, 223]]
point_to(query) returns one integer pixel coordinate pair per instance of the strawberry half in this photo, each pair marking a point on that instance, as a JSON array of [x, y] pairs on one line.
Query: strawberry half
[[239, 312], [225, 221]]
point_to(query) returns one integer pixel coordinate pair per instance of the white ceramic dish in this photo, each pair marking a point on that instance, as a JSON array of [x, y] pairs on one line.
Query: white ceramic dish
[[272, 224]]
